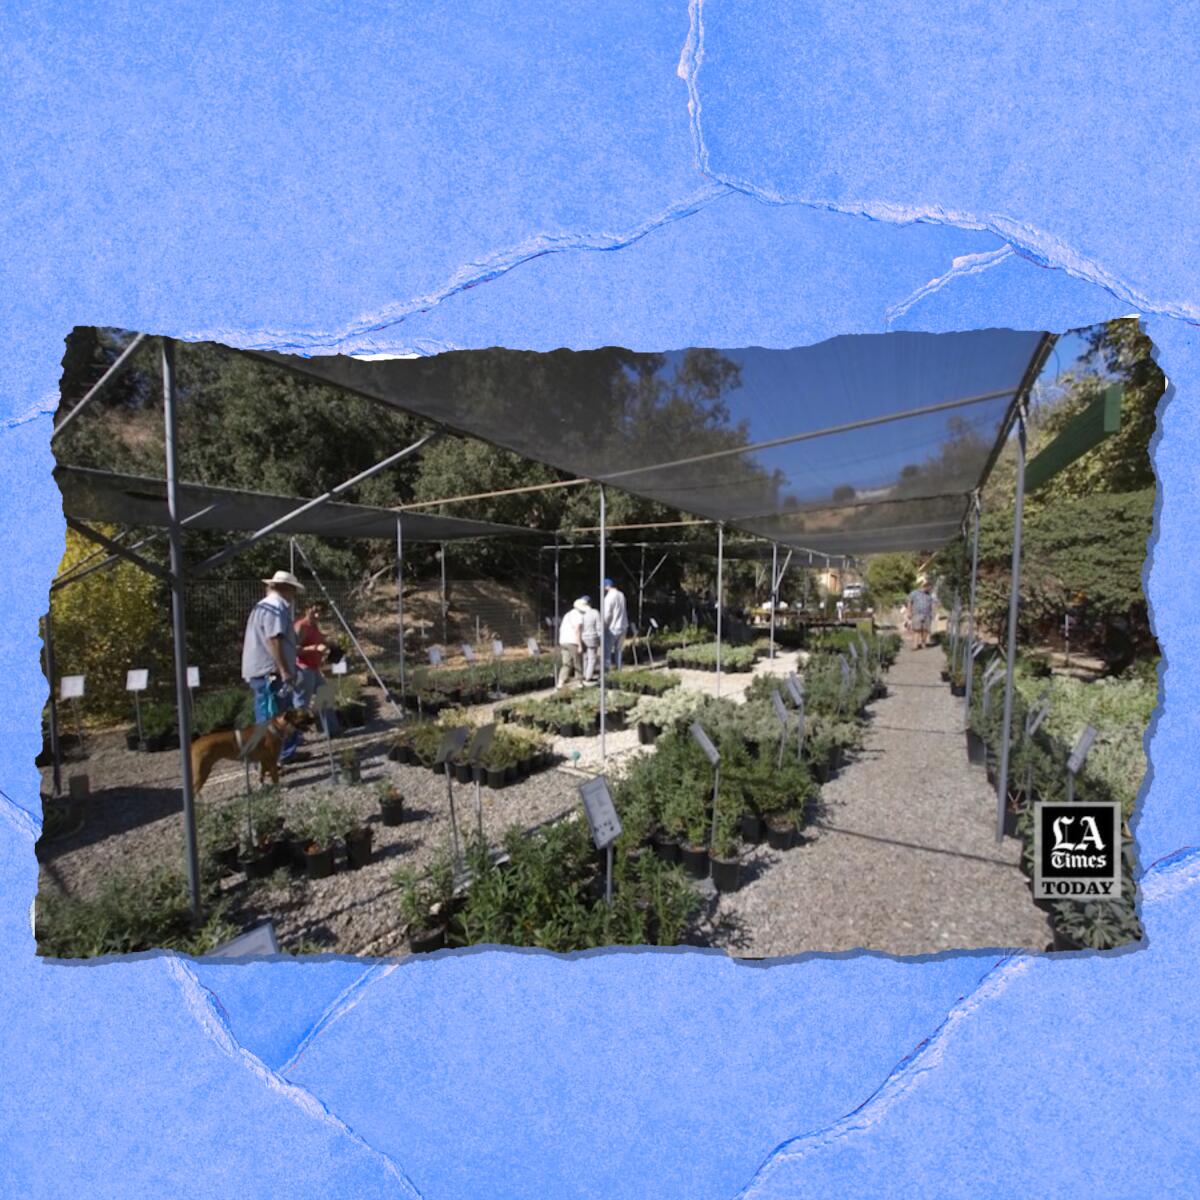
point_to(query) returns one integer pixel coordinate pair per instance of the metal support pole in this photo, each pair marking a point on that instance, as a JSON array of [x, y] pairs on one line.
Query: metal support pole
[[641, 589], [442, 555], [400, 599], [970, 663], [1013, 605], [720, 596], [179, 629], [55, 745], [292, 555], [774, 593], [557, 614], [603, 629]]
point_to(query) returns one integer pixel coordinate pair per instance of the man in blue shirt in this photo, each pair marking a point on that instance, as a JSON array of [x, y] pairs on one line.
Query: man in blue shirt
[[920, 613], [269, 653]]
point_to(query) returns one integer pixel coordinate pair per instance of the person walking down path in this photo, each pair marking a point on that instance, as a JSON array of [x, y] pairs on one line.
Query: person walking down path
[[920, 613], [593, 637], [269, 654], [570, 643], [616, 623]]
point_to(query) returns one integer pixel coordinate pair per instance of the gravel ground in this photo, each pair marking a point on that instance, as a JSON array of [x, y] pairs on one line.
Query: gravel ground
[[904, 858]]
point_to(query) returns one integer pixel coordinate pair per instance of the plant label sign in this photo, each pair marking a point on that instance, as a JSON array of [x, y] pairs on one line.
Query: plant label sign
[[1082, 746], [780, 711], [534, 648], [435, 657], [137, 680], [845, 671], [193, 677], [1035, 717], [481, 743], [866, 650], [977, 649], [70, 687], [497, 648], [795, 687], [453, 741], [704, 742], [853, 650], [468, 652], [251, 944], [600, 811], [653, 623], [339, 668]]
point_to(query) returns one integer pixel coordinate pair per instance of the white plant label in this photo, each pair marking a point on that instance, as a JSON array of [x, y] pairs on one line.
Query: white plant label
[[704, 742], [600, 811], [468, 652], [435, 657], [534, 648], [497, 648], [70, 687], [137, 680], [193, 674], [339, 667]]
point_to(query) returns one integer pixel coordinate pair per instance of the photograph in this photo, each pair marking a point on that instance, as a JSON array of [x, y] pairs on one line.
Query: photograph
[[769, 652]]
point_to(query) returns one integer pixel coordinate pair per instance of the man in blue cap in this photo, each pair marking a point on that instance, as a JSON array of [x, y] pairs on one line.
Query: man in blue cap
[[616, 623]]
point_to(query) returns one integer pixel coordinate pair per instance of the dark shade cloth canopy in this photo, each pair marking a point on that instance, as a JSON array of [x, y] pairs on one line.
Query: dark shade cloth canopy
[[92, 495], [855, 445]]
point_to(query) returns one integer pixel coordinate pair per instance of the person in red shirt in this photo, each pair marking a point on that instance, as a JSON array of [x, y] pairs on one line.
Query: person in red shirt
[[311, 652]]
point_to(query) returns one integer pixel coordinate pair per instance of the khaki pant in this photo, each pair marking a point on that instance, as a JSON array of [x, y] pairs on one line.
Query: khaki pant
[[572, 664]]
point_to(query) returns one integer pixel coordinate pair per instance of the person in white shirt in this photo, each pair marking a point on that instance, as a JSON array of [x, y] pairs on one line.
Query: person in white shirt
[[616, 623], [593, 638], [570, 643]]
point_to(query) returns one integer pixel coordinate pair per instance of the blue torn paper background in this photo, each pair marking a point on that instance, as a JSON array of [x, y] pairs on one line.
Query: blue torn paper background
[[409, 177]]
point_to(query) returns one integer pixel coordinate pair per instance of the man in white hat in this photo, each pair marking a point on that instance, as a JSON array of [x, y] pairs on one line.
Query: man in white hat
[[570, 642], [269, 652]]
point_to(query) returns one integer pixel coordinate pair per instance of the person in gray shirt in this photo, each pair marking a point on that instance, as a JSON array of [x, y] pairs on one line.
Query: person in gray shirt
[[269, 652]]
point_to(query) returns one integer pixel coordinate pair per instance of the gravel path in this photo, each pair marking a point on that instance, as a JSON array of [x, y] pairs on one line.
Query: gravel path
[[904, 858]]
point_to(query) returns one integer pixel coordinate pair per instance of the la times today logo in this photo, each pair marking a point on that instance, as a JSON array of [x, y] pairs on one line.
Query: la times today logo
[[1077, 851]]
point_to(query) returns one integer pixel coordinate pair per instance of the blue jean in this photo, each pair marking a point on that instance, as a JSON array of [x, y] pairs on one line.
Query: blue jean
[[270, 698], [308, 681], [613, 644]]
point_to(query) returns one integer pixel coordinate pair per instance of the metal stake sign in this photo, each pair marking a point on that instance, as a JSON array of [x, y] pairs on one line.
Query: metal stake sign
[[712, 754], [534, 649], [1033, 719], [781, 714], [452, 742], [323, 700], [136, 681], [435, 656], [991, 677], [497, 648], [476, 752], [70, 687], [1078, 755], [468, 652], [603, 822], [795, 687]]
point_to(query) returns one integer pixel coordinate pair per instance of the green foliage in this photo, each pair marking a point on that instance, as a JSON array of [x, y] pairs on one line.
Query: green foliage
[[131, 912], [106, 623], [891, 577], [226, 708], [704, 657], [425, 896]]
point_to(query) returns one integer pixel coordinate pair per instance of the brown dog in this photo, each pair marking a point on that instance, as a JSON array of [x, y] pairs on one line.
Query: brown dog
[[264, 749]]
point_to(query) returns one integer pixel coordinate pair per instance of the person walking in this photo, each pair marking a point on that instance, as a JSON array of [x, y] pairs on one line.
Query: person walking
[[269, 654], [311, 653], [616, 623], [593, 638], [920, 613], [570, 643]]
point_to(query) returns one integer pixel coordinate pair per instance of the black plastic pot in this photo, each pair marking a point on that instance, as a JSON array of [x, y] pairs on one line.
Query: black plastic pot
[[993, 771], [400, 753], [438, 768], [422, 941], [510, 773], [352, 715], [976, 749], [665, 846], [497, 777], [694, 859], [463, 772], [257, 866], [319, 863], [647, 733], [351, 771], [726, 873], [392, 811], [1063, 942], [751, 828], [358, 848], [958, 689], [226, 856], [781, 832]]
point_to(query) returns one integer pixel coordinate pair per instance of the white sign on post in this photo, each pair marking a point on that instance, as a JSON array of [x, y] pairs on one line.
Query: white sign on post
[[193, 676], [653, 623], [534, 648], [70, 687], [702, 740], [1086, 738], [339, 668], [600, 811], [137, 680], [497, 648], [468, 652], [435, 656]]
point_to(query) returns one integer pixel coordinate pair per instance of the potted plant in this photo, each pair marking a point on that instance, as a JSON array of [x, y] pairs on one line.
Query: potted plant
[[462, 771], [401, 750], [693, 850], [781, 829], [358, 837], [958, 683], [350, 765], [391, 804], [726, 868], [750, 826], [268, 848], [220, 830], [158, 728], [425, 902], [976, 747], [317, 834]]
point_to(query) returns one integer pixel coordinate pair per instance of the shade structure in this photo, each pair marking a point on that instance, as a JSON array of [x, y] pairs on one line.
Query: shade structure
[[93, 495], [858, 444]]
